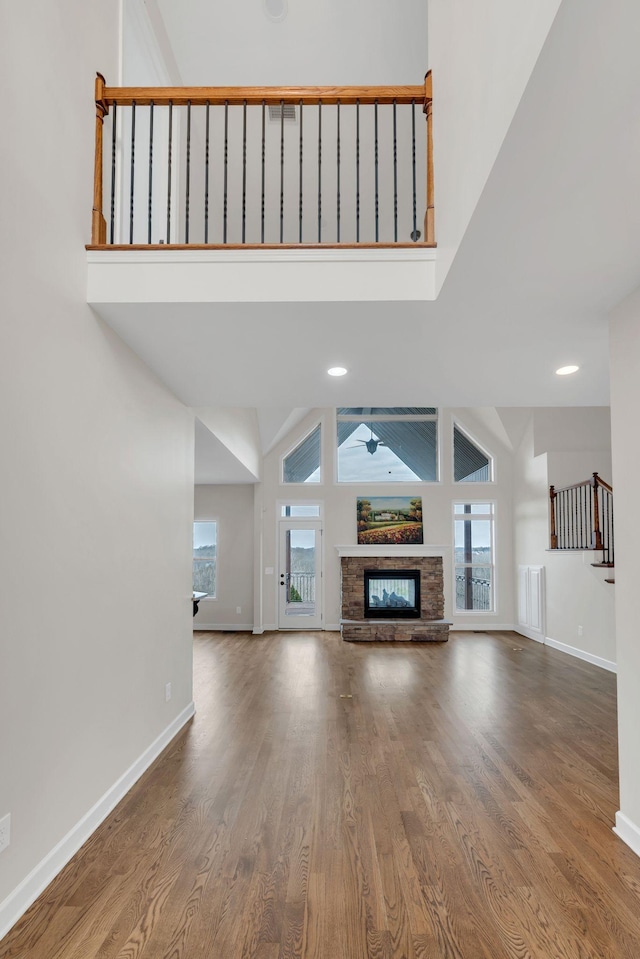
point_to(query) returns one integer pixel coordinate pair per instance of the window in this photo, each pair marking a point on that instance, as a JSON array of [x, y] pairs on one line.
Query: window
[[302, 465], [205, 558], [387, 444], [298, 510], [470, 463], [474, 568]]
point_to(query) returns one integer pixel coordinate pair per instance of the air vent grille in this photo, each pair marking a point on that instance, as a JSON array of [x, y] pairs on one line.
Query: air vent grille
[[286, 110]]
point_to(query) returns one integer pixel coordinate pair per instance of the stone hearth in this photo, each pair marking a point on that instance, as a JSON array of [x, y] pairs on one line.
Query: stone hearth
[[430, 627]]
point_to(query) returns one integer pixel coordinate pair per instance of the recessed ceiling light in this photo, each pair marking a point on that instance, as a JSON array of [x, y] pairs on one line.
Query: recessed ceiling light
[[565, 370], [336, 371]]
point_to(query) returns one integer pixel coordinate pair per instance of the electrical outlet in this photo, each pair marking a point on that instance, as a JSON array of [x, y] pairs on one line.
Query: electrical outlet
[[238, 609], [579, 630], [167, 692], [5, 831]]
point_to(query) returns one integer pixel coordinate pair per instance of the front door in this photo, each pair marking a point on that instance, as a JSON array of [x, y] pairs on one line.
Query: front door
[[300, 575]]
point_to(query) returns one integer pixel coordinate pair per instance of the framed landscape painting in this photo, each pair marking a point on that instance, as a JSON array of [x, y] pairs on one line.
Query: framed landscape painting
[[390, 520]]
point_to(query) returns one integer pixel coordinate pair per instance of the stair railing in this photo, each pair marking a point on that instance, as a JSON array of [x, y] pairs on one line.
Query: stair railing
[[263, 166], [581, 517]]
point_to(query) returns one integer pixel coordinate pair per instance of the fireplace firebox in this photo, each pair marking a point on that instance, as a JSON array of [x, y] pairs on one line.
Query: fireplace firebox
[[392, 593]]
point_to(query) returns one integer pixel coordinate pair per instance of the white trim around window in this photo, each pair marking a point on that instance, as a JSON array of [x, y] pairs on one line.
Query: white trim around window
[[480, 588], [208, 522]]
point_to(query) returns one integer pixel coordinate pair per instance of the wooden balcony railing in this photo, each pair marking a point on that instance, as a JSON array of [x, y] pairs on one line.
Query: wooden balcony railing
[[581, 517], [263, 166]]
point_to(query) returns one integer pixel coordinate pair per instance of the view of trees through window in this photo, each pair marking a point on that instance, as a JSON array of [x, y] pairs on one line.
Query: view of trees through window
[[205, 558]]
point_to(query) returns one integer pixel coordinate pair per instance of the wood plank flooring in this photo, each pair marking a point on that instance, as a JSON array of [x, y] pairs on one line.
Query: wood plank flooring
[[363, 801]]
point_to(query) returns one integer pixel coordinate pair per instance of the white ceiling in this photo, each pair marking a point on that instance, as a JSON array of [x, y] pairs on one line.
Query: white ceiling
[[461, 352], [551, 247]]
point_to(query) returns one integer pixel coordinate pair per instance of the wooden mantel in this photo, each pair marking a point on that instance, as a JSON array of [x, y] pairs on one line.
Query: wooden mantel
[[377, 549]]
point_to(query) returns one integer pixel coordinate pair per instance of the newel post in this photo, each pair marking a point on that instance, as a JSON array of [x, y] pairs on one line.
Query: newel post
[[98, 222], [429, 218], [596, 536], [552, 518]]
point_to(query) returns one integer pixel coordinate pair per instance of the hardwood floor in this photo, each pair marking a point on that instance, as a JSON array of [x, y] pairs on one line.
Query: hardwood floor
[[344, 801]]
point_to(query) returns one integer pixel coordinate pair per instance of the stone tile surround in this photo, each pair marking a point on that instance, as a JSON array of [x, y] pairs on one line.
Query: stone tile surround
[[431, 627]]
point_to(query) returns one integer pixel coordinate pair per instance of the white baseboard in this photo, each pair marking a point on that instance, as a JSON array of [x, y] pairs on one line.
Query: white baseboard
[[530, 633], [582, 654], [223, 627], [628, 832], [259, 630], [18, 901], [332, 628], [480, 627]]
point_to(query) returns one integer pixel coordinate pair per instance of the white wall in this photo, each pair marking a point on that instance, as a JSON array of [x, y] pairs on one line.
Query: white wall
[[339, 503], [564, 469], [97, 473], [579, 604], [530, 501], [334, 42], [231, 507], [625, 402], [481, 55], [567, 429], [237, 429], [147, 57], [577, 441]]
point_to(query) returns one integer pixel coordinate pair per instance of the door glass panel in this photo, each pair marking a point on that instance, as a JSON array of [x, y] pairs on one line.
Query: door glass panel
[[300, 576]]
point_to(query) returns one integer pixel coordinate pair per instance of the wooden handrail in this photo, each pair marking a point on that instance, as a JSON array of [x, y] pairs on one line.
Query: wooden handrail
[[601, 482], [563, 489], [255, 96], [594, 480]]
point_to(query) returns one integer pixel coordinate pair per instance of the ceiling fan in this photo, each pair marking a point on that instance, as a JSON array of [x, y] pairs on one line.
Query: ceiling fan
[[371, 444]]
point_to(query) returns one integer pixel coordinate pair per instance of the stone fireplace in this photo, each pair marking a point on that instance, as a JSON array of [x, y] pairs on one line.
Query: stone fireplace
[[358, 625]]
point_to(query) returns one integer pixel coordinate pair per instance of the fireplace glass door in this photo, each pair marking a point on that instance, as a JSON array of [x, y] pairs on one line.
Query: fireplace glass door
[[391, 594]]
